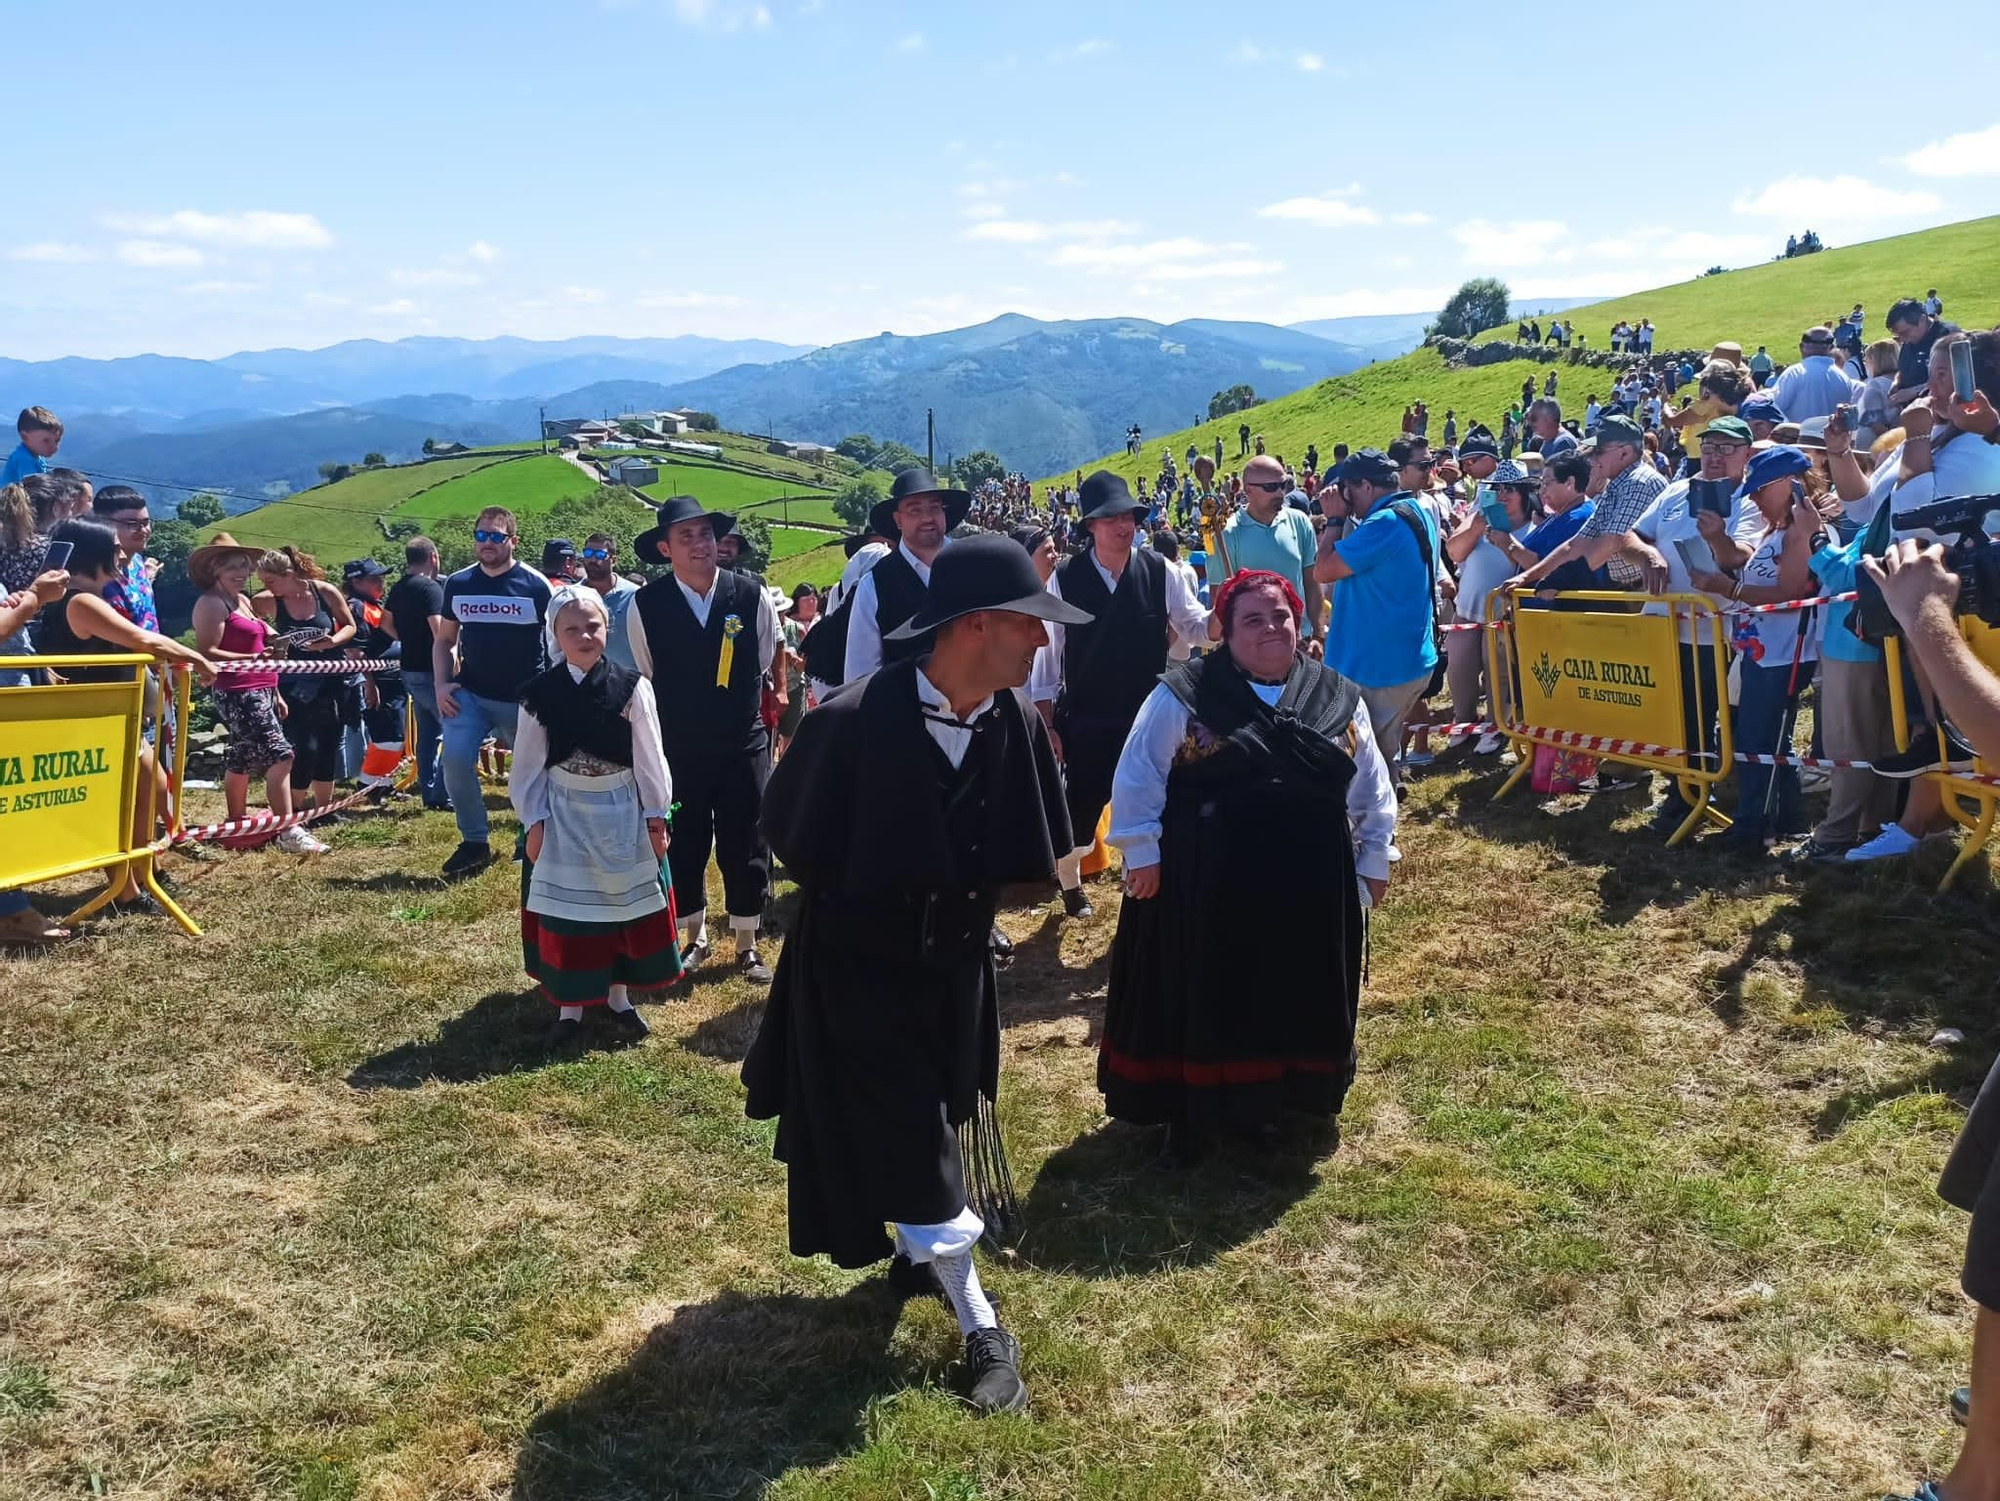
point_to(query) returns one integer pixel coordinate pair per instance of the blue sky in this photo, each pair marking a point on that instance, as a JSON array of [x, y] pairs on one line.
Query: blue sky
[[226, 176]]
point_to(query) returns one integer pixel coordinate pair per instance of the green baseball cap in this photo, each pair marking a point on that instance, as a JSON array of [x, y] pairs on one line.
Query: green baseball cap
[[1620, 429], [1733, 428]]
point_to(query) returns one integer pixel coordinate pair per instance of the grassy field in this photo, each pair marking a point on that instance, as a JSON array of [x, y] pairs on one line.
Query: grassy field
[[814, 510], [524, 485], [338, 520], [1632, 1202], [820, 567], [723, 489], [1769, 304], [791, 541], [1773, 303]]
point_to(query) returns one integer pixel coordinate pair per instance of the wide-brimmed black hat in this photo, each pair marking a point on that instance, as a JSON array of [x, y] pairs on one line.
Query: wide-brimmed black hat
[[882, 519], [854, 544], [677, 509], [986, 572], [1104, 495]]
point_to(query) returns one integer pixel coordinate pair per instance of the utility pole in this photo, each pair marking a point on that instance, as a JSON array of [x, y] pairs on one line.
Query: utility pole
[[930, 439], [543, 414]]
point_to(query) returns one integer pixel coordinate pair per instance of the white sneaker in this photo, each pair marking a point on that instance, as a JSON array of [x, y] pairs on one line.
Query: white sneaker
[[296, 841], [1893, 840], [1488, 744]]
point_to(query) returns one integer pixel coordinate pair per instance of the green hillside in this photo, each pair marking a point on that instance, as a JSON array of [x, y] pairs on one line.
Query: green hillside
[[1773, 303], [328, 518], [1769, 304]]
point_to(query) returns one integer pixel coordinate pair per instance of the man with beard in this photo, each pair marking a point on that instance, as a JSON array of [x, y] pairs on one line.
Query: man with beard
[[879, 1050], [706, 637], [600, 571], [1136, 604], [921, 513]]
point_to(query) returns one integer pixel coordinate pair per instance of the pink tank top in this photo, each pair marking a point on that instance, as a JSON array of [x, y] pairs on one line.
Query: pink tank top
[[245, 634]]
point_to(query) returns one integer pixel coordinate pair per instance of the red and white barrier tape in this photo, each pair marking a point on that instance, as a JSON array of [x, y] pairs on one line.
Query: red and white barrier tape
[[1791, 604], [294, 665]]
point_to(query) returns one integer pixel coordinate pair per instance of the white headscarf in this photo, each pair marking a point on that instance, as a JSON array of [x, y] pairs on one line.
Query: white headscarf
[[567, 595]]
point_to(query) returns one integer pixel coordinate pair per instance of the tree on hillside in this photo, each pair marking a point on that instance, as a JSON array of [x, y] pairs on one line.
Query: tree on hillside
[[895, 458], [170, 542], [631, 429], [853, 501], [857, 446], [1479, 303], [703, 422], [430, 445], [756, 540], [977, 467], [373, 461], [1238, 398], [200, 510], [332, 472]]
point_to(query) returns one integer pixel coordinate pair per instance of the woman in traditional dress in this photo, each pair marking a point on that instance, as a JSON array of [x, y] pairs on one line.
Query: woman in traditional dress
[[1256, 816], [591, 785]]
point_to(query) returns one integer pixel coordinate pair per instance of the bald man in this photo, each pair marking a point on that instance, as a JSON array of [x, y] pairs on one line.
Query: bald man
[[1269, 534]]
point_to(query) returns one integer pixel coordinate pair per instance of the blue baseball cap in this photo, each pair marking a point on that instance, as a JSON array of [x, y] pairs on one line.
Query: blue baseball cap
[[1782, 462], [1760, 408], [1367, 465]]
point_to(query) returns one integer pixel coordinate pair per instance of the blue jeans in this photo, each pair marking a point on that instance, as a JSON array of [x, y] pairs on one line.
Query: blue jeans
[[423, 693], [463, 735], [1760, 717], [12, 902]]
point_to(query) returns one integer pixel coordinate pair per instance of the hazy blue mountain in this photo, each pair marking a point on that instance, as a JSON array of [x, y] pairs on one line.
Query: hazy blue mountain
[[1384, 336], [1042, 395]]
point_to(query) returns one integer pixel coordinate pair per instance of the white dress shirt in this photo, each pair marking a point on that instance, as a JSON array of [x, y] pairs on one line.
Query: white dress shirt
[[1813, 388], [1139, 788], [864, 634], [528, 781], [864, 559], [954, 738], [768, 630], [1185, 613]]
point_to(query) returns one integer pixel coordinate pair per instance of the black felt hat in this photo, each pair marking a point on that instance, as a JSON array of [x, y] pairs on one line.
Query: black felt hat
[[882, 519], [854, 544], [986, 572], [1104, 495], [677, 509]]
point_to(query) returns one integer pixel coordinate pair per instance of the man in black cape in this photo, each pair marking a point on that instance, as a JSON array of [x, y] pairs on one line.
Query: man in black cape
[[906, 803]]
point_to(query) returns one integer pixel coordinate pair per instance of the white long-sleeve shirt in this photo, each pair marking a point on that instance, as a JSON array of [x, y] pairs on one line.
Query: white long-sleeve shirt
[[1139, 787], [1185, 613], [864, 633], [528, 780], [768, 631], [1813, 388]]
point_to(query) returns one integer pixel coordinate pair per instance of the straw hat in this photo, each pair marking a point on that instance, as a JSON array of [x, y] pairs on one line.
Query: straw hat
[[204, 560]]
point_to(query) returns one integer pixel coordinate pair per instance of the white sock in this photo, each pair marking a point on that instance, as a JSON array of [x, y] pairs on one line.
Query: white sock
[[572, 1013], [1069, 872], [694, 929], [967, 1297], [744, 931], [618, 1000]]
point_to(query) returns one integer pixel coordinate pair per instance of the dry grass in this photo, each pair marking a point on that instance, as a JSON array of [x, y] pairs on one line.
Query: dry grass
[[299, 1210]]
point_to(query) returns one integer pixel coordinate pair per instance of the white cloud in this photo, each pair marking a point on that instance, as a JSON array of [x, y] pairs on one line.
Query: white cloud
[[1328, 211], [401, 307], [156, 253], [1248, 52], [1520, 242], [221, 288], [584, 294], [689, 300], [722, 15], [984, 209], [259, 228], [1067, 180], [1834, 200], [1214, 270], [1090, 47], [1148, 256], [1413, 217], [1035, 232], [1364, 302], [1310, 62], [53, 253], [1972, 153], [433, 276], [480, 251], [910, 42]]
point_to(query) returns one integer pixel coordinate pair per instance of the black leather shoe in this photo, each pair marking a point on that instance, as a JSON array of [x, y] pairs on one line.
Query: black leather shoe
[[993, 1357], [1922, 756], [1076, 904], [468, 859], [565, 1036], [1001, 944], [1961, 1406], [629, 1023], [753, 969]]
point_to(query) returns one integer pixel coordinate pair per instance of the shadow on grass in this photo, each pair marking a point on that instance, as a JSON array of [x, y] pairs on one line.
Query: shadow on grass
[[721, 1400], [1037, 986], [1103, 1207], [389, 881], [503, 1033], [728, 1036]]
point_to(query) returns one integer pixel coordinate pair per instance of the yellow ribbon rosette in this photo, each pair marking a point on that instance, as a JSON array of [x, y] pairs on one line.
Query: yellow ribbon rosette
[[732, 627]]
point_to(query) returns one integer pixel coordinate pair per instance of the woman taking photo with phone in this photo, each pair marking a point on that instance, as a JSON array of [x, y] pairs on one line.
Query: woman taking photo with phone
[[314, 621], [1508, 505]]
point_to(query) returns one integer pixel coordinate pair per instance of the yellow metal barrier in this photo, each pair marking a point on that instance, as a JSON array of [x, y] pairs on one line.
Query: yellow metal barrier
[[1614, 678], [1957, 791], [70, 789]]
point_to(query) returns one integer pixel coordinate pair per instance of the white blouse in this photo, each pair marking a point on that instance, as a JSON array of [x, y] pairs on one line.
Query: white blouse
[[1139, 788], [528, 780]]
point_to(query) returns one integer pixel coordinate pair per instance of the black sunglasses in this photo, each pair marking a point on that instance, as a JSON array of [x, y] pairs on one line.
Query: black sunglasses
[[1258, 484]]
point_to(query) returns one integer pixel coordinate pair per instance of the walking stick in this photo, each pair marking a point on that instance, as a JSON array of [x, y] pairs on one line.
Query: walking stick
[[1788, 719]]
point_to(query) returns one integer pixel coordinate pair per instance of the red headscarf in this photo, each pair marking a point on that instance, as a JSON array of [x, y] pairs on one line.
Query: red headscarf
[[1257, 578]]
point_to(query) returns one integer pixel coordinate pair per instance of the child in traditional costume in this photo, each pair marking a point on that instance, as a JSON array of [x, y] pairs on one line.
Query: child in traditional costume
[[591, 786]]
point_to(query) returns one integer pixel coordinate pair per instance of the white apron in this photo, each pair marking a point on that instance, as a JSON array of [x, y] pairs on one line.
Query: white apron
[[597, 862]]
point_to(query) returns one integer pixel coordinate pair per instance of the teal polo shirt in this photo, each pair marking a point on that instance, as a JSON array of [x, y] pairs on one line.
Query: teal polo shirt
[[1385, 616], [1287, 547]]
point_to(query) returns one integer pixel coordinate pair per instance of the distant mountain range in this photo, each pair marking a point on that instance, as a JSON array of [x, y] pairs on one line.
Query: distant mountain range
[[1042, 395]]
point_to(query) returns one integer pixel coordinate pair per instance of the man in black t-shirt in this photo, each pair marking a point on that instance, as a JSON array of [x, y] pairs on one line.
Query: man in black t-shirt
[[415, 605], [1916, 330], [493, 614]]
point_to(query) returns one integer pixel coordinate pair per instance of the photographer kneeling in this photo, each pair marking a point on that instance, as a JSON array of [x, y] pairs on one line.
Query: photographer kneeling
[[1923, 595]]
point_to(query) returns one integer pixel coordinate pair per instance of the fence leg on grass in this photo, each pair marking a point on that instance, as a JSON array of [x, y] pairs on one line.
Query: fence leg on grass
[[1524, 765], [1982, 830]]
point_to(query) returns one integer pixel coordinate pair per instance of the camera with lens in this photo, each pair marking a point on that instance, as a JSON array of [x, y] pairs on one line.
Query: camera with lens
[[1972, 555]]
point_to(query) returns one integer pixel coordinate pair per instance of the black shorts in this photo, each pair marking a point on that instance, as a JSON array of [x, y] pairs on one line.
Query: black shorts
[[1970, 1182]]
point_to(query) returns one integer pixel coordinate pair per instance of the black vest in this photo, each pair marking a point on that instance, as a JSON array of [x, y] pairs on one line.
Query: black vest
[[588, 716], [899, 594], [698, 718], [1110, 665]]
